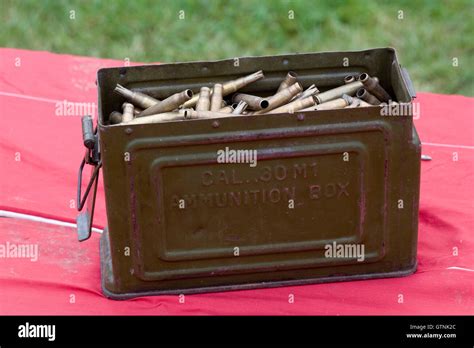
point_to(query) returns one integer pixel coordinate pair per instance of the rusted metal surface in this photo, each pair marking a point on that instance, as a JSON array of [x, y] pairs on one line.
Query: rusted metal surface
[[345, 170]]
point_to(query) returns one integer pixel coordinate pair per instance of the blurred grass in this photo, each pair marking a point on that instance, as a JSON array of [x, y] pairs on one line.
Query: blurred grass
[[428, 37]]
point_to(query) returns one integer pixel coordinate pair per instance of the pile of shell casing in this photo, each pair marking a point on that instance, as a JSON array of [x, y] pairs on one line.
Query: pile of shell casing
[[224, 100]]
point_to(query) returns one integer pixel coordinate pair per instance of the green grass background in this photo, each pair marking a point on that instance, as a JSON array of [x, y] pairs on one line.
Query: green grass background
[[429, 36]]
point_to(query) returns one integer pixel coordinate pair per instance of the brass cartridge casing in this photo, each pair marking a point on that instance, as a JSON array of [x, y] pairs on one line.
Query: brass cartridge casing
[[216, 98], [349, 89], [354, 104], [169, 104], [357, 102], [362, 102], [254, 102], [235, 85], [347, 98], [192, 114], [334, 104], [349, 79], [240, 108], [127, 112], [311, 90], [157, 118], [203, 103], [137, 98], [363, 94], [230, 86], [295, 105], [227, 109], [373, 86], [136, 111], [115, 117], [289, 79], [281, 98]]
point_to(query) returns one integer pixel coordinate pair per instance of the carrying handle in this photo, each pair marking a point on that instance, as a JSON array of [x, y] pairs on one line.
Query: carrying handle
[[91, 157], [94, 177]]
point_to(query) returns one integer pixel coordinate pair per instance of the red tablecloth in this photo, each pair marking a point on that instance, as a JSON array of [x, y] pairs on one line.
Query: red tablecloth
[[40, 151]]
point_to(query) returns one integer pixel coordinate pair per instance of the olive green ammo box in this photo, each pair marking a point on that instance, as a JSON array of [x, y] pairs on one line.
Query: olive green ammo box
[[353, 176]]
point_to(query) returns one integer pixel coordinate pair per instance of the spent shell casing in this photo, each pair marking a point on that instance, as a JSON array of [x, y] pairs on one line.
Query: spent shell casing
[[295, 105], [281, 98], [136, 111], [137, 98], [254, 102], [169, 104], [216, 97], [363, 102], [127, 115], [240, 107], [363, 94], [204, 102], [334, 104], [115, 117], [311, 90], [227, 109], [289, 79], [373, 86], [349, 79], [347, 98], [354, 104], [349, 89], [235, 85], [195, 114], [359, 102], [163, 117], [230, 87]]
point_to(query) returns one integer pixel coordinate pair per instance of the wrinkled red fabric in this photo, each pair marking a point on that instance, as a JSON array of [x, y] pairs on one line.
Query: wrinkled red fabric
[[40, 153]]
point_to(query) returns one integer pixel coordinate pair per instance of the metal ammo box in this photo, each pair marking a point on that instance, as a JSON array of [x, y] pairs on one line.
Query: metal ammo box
[[352, 174]]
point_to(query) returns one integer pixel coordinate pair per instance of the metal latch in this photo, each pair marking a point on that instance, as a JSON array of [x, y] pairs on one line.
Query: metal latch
[[91, 157]]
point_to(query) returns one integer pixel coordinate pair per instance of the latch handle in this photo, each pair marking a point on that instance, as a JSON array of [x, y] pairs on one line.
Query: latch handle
[[92, 157], [88, 135]]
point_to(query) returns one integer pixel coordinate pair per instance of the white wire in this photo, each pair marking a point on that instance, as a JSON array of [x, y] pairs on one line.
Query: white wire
[[10, 214]]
